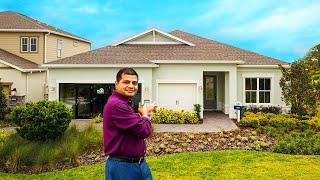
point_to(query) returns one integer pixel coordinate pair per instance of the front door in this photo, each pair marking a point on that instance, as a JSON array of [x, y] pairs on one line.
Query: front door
[[210, 92], [84, 101]]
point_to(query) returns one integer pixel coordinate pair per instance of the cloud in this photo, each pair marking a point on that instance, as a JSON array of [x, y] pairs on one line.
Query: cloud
[[87, 9], [280, 20]]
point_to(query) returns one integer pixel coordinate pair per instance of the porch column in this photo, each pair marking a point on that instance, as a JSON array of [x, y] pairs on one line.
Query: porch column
[[232, 92]]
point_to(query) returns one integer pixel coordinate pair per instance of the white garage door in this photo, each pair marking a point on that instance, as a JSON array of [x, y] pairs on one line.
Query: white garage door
[[178, 96]]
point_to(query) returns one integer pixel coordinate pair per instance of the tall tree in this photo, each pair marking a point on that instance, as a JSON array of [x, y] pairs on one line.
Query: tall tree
[[300, 84], [3, 102]]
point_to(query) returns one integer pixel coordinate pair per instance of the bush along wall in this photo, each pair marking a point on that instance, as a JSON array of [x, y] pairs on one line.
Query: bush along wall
[[169, 116]]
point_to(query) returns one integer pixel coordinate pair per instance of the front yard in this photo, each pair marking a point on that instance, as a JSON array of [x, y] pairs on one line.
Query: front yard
[[206, 165]]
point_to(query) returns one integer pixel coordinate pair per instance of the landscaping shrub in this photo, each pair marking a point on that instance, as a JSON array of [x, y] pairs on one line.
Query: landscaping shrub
[[307, 142], [197, 109], [97, 119], [168, 116], [41, 121], [18, 154], [263, 109], [256, 120], [3, 103]]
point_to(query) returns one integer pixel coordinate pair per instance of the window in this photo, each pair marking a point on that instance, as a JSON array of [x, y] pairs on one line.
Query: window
[[33, 44], [59, 48], [257, 90], [24, 44]]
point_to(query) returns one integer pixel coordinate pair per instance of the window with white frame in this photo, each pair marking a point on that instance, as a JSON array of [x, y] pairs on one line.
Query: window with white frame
[[59, 48], [257, 90], [24, 44], [33, 44]]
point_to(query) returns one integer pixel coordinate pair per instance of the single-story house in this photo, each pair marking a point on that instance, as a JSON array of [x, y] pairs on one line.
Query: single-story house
[[176, 70]]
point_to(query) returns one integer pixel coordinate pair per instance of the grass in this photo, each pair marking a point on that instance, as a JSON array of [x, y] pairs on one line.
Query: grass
[[206, 165]]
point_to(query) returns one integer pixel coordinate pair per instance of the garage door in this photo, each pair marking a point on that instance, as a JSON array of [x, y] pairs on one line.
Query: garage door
[[178, 96]]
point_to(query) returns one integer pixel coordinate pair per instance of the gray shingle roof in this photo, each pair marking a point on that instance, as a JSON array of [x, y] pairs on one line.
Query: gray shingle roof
[[17, 61], [204, 50], [10, 20]]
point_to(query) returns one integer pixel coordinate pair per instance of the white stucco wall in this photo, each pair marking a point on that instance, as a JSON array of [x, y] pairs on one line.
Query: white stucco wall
[[273, 73], [229, 80], [36, 86], [94, 75], [17, 78], [30, 85], [194, 73]]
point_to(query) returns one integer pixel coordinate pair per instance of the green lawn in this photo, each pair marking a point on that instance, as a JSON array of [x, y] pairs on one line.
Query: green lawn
[[207, 165]]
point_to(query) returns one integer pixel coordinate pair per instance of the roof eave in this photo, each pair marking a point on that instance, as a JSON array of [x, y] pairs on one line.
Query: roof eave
[[263, 66], [98, 65], [45, 31], [196, 62], [22, 69]]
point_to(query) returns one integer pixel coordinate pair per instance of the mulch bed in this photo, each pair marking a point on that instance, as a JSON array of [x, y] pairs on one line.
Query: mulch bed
[[169, 143]]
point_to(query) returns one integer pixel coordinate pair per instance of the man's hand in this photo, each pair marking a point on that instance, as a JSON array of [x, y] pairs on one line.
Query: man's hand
[[152, 109], [147, 110], [143, 111]]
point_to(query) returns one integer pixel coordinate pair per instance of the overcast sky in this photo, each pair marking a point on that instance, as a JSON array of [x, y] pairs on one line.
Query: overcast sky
[[282, 29]]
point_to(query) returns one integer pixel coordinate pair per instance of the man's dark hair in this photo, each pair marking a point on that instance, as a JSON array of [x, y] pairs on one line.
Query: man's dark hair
[[128, 71]]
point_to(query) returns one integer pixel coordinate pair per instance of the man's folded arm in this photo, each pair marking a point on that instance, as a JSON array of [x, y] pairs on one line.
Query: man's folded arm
[[124, 118]]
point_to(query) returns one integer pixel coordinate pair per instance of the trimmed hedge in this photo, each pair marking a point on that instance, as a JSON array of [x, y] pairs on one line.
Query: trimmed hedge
[[256, 120], [169, 116], [41, 121]]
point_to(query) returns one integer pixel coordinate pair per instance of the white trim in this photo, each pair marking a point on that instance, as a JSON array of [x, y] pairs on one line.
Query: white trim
[[59, 48], [156, 30], [258, 76], [263, 66], [167, 81], [37, 44], [153, 43], [195, 62], [44, 30], [96, 65], [21, 69], [21, 43]]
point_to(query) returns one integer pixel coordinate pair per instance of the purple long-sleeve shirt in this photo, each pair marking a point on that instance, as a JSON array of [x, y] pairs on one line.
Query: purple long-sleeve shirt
[[124, 131]]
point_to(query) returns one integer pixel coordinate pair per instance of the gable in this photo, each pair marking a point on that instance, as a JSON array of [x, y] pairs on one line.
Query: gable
[[154, 37]]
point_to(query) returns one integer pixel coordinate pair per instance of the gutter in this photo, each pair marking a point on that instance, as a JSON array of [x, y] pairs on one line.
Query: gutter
[[196, 62], [21, 69], [45, 31], [263, 66], [97, 65]]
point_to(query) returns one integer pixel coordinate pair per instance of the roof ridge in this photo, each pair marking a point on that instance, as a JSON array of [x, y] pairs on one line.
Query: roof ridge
[[224, 44]]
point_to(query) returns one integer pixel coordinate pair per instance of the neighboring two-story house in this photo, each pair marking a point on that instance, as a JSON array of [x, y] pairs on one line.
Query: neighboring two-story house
[[26, 44]]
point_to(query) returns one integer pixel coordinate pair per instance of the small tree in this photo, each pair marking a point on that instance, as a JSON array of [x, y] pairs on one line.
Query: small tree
[[3, 103], [299, 85]]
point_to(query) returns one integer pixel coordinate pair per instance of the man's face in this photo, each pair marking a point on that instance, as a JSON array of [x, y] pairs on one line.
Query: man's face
[[128, 85]]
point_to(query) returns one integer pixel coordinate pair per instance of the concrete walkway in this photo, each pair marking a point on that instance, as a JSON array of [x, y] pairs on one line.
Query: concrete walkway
[[212, 122]]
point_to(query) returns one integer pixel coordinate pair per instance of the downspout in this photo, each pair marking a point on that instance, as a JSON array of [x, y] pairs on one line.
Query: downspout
[[26, 87]]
